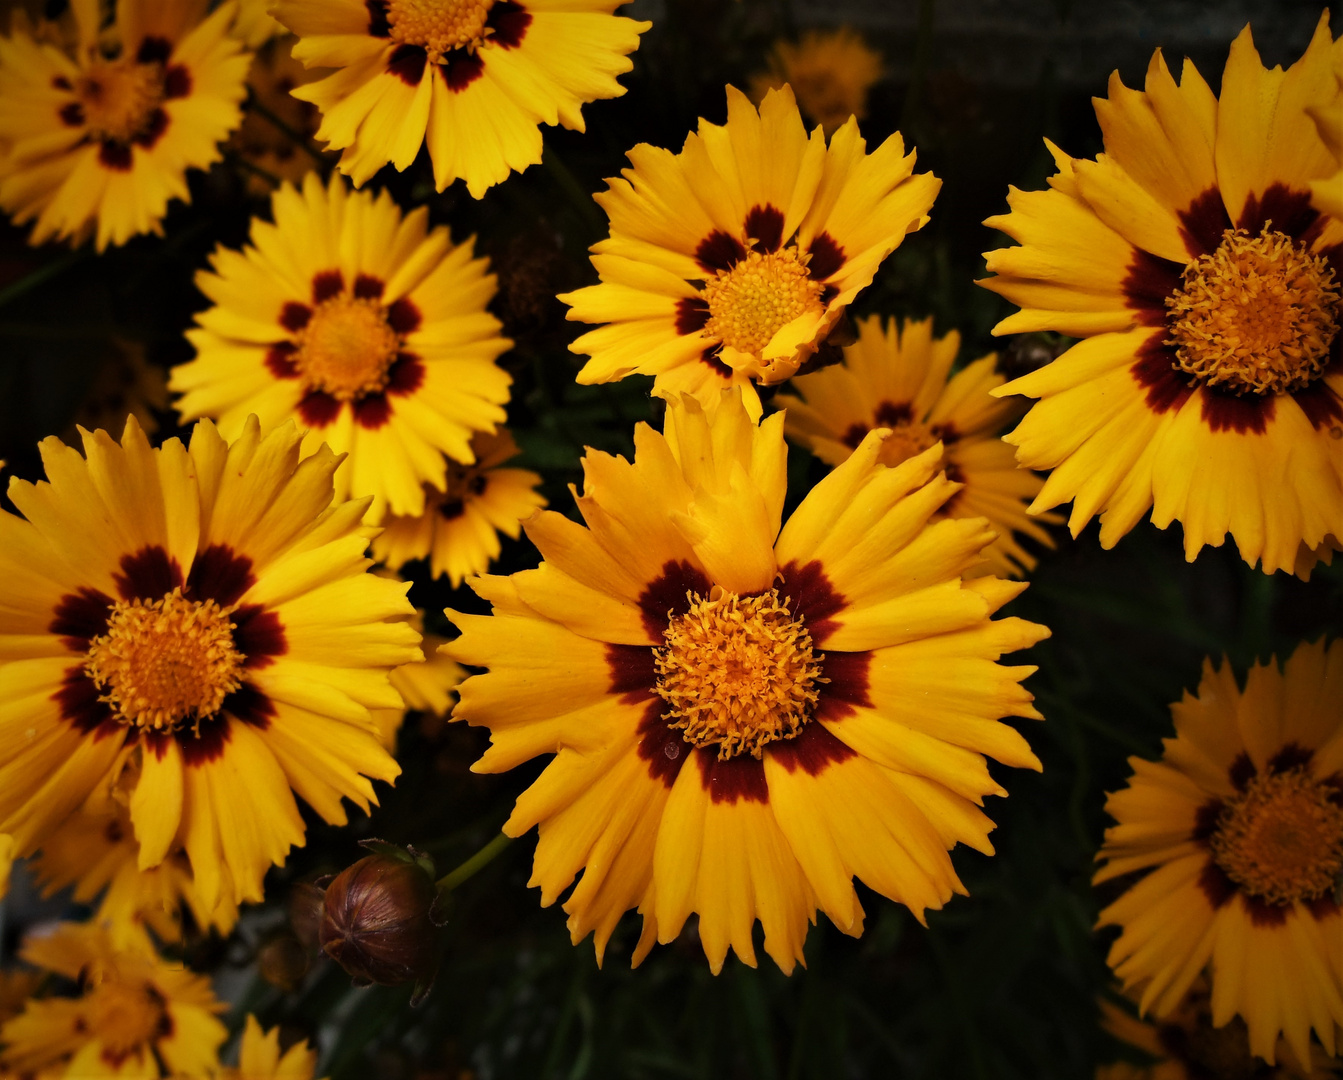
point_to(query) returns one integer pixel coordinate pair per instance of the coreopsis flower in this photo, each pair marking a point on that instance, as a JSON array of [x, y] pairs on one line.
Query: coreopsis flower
[[830, 71], [362, 324], [1327, 193], [730, 262], [1206, 291], [135, 1015], [743, 719], [473, 79], [460, 526], [1186, 1046], [95, 140], [94, 852], [897, 377], [259, 1057], [6, 862], [255, 26], [1239, 830], [200, 614], [426, 686]]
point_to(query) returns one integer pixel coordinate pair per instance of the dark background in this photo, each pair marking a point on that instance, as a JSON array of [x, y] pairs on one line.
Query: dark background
[[1001, 984]]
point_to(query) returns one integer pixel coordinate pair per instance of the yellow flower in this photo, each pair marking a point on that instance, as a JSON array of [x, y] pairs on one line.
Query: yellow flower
[[136, 1015], [95, 851], [1186, 1046], [831, 72], [6, 862], [362, 324], [896, 377], [254, 26], [204, 611], [273, 74], [1240, 831], [260, 1057], [1206, 291], [427, 686], [744, 720], [459, 528], [1327, 194], [473, 78], [730, 262], [92, 143]]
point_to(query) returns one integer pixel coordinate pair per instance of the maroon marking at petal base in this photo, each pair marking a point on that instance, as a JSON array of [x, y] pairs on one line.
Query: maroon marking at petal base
[[147, 574], [1216, 886], [1242, 771], [115, 156], [407, 63], [176, 82], [1147, 285], [661, 748], [80, 617], [280, 360], [60, 82], [72, 114], [154, 50], [633, 673], [846, 692], [1203, 222], [813, 750], [250, 705], [1284, 211], [295, 316], [404, 377], [1205, 821], [1247, 414], [889, 414], [220, 574], [1321, 403], [509, 21], [710, 356], [956, 475], [327, 284], [461, 69], [319, 409], [479, 484], [764, 224], [1262, 913], [153, 130], [691, 315], [826, 257], [78, 702], [259, 636], [372, 411], [734, 780], [404, 317], [367, 287], [452, 509], [1291, 756], [199, 745], [946, 432], [853, 438], [378, 23], [810, 595], [719, 252], [1155, 370], [828, 293], [1322, 906], [665, 595]]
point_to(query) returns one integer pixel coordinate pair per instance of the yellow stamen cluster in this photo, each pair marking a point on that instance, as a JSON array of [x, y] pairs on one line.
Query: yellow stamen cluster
[[1281, 840], [737, 672], [438, 26], [118, 97], [347, 347], [125, 1016], [165, 662], [1256, 316], [759, 296], [908, 439]]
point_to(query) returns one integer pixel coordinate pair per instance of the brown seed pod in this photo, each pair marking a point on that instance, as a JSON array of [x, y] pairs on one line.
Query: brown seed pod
[[376, 924]]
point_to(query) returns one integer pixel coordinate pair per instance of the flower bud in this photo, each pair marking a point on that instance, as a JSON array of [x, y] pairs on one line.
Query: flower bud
[[376, 924]]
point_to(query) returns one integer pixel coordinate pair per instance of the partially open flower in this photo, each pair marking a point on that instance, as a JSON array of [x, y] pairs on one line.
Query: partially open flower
[[376, 924]]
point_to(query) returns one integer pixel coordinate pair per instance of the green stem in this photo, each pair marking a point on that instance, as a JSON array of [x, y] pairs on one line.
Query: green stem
[[297, 137], [265, 174], [475, 864], [568, 183], [41, 274]]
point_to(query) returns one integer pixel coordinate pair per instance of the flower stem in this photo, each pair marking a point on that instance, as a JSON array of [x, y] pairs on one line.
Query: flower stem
[[476, 863], [297, 137]]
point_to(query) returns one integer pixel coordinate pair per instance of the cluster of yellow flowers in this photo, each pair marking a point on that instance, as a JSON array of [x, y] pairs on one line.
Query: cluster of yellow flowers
[[745, 714]]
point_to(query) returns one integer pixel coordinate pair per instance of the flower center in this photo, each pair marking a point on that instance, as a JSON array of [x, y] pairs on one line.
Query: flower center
[[1256, 316], [125, 1016], [118, 98], [438, 26], [1281, 840], [1223, 1052], [759, 296], [347, 347], [165, 662], [908, 439], [737, 672]]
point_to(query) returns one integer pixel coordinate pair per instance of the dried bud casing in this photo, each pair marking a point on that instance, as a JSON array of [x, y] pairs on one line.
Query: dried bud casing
[[375, 921]]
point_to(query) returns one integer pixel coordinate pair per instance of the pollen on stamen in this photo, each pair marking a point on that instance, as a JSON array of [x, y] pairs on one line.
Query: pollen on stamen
[[737, 672], [758, 297], [346, 348], [438, 26]]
